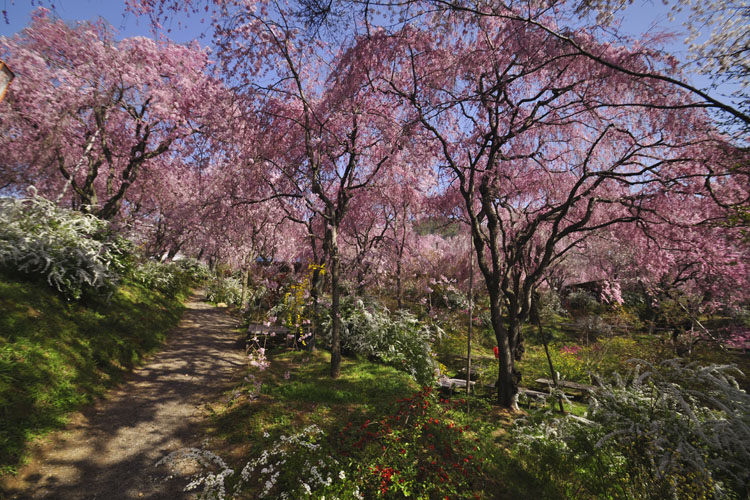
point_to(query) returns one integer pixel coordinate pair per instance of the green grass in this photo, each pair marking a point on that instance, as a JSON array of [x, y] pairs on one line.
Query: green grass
[[56, 356], [309, 396], [243, 427]]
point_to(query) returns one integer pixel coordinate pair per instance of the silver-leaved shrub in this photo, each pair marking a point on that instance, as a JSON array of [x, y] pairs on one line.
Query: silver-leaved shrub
[[73, 251], [226, 290], [671, 430], [170, 277], [397, 339], [289, 467]]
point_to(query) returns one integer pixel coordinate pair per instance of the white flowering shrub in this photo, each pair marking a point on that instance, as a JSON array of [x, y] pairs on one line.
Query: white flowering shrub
[[197, 270], [290, 467], [73, 251], [673, 430], [740, 315], [593, 327], [257, 293], [170, 277], [396, 339], [157, 276], [227, 290]]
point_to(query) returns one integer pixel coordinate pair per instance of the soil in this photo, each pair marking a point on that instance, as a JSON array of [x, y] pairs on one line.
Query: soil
[[109, 451]]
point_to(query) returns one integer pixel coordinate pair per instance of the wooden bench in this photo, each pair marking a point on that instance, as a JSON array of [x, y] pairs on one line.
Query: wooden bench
[[564, 384], [453, 383], [737, 349], [532, 395], [274, 335], [580, 419]]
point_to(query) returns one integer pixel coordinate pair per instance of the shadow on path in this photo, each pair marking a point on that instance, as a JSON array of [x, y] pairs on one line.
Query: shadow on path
[[109, 451]]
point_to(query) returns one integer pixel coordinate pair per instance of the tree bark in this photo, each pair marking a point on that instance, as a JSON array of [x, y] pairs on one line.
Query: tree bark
[[335, 301], [471, 316], [173, 250], [245, 279], [316, 285], [508, 377], [399, 286]]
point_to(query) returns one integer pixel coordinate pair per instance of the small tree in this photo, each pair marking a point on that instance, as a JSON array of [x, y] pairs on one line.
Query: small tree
[[543, 149], [89, 114]]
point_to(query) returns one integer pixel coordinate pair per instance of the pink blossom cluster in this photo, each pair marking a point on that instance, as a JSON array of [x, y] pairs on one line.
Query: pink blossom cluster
[[573, 349]]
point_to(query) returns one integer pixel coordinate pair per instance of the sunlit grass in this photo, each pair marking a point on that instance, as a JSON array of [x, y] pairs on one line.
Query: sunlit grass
[[56, 356], [308, 396]]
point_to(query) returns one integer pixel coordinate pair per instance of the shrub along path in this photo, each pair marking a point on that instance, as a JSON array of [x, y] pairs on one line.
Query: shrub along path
[[109, 450]]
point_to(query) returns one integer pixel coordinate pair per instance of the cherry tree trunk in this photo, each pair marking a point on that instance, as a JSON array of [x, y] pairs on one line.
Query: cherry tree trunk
[[507, 376], [245, 280], [399, 285], [173, 250], [316, 285], [335, 301], [361, 282], [515, 337]]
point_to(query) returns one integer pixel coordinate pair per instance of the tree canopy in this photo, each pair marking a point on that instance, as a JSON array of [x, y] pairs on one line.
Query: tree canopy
[[334, 133]]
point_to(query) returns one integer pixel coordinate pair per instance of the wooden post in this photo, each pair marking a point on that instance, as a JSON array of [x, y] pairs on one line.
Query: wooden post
[[471, 315], [537, 318]]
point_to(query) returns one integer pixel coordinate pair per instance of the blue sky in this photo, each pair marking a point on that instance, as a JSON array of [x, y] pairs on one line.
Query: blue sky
[[127, 24], [639, 18]]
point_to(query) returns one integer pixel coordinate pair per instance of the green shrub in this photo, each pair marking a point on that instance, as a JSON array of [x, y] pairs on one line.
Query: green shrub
[[677, 430], [259, 301], [592, 328], [446, 295], [226, 290], [422, 448], [167, 277], [396, 339], [425, 447], [73, 252], [290, 467], [581, 303], [198, 271]]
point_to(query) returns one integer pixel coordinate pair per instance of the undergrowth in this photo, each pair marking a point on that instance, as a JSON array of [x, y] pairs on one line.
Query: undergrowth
[[56, 355], [292, 431]]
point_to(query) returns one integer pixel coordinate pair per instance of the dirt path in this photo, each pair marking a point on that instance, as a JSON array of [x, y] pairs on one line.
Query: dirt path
[[109, 451]]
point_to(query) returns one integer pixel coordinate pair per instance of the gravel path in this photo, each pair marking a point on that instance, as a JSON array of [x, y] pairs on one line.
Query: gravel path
[[109, 451]]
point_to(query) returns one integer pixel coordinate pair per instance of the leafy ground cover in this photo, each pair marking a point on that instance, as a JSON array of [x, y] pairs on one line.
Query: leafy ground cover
[[291, 430], [297, 391], [57, 355], [578, 355], [372, 433]]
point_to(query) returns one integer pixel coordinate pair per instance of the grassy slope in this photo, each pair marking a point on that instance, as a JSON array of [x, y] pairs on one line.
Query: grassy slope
[[364, 392], [309, 396], [56, 356]]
